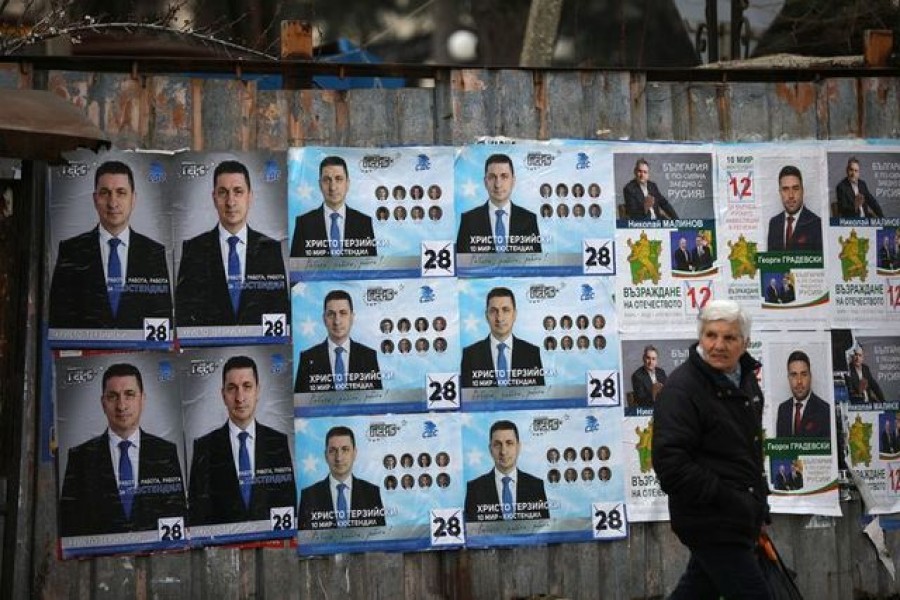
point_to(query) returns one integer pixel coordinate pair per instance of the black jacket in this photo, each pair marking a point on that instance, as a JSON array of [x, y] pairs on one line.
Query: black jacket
[[707, 453]]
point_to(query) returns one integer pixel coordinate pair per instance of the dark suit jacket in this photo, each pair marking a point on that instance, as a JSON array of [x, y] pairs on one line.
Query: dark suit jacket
[[887, 257], [78, 296], [359, 237], [787, 294], [477, 368], [643, 387], [681, 260], [314, 371], [215, 495], [816, 421], [856, 396], [201, 295], [90, 503], [846, 200], [634, 202], [522, 231], [889, 442], [317, 499], [773, 294], [781, 481], [701, 262], [482, 493], [807, 232]]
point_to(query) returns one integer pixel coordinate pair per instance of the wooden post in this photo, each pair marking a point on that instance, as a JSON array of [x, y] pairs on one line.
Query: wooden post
[[296, 44]]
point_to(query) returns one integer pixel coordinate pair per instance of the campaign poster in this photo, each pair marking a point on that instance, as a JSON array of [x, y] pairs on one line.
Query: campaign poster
[[110, 252], [121, 458], [402, 477], [647, 362], [238, 494], [543, 476], [772, 201], [559, 343], [867, 380], [230, 241], [799, 421], [668, 248], [863, 239], [534, 208], [371, 213], [398, 342]]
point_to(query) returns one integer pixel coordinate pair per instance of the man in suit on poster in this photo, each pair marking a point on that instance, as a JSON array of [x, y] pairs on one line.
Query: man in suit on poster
[[110, 277], [647, 381], [505, 492], [242, 469], [341, 499], [232, 274], [796, 227], [701, 257], [643, 200], [863, 387], [338, 363], [498, 225], [124, 479], [854, 201], [681, 260], [501, 359], [333, 229], [803, 414]]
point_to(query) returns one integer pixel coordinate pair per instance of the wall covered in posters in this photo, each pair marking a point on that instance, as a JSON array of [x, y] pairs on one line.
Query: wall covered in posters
[[431, 347]]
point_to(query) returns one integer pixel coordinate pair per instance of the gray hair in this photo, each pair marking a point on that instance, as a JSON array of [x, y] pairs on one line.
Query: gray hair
[[724, 310]]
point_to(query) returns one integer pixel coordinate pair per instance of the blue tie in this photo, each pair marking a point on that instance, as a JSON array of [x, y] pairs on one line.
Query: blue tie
[[234, 273], [340, 372], [343, 515], [500, 231], [126, 478], [508, 509], [502, 367], [335, 235], [245, 475], [114, 275]]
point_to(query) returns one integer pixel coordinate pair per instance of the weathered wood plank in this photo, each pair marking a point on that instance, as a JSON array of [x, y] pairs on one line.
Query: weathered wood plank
[[660, 118], [748, 112], [271, 120], [880, 107], [415, 118], [842, 99], [560, 92], [313, 117], [611, 111], [703, 112], [515, 105], [377, 576], [171, 112], [423, 576], [114, 578], [792, 111], [167, 575], [372, 117], [637, 85], [226, 106], [220, 572], [471, 116]]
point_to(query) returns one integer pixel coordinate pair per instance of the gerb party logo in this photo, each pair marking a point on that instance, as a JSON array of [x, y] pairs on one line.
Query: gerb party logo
[[78, 376], [72, 170], [853, 256], [426, 294], [644, 259], [542, 425], [742, 257], [591, 424], [587, 292], [156, 173], [377, 295], [192, 170], [423, 163], [203, 367], [382, 430], [582, 161], [539, 292], [372, 162], [429, 429], [538, 160]]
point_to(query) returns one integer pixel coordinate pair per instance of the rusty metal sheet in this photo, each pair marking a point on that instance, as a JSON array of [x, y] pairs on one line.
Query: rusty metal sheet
[[748, 112], [171, 114], [880, 97], [36, 124], [842, 108]]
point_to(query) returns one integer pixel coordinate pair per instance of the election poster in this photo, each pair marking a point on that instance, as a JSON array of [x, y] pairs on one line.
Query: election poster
[[238, 431], [863, 240], [772, 200], [110, 252], [647, 362], [540, 476], [538, 341], [379, 482], [375, 346], [799, 421], [120, 456], [668, 249], [867, 381], [371, 213], [534, 208], [230, 240]]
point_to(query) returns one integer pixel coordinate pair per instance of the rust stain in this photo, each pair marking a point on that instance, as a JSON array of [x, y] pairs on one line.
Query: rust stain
[[467, 80], [801, 96], [197, 116]]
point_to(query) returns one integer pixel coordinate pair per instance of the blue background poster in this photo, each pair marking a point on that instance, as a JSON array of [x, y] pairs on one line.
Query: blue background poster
[[399, 203], [415, 461], [570, 321], [409, 326], [573, 453], [565, 188]]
